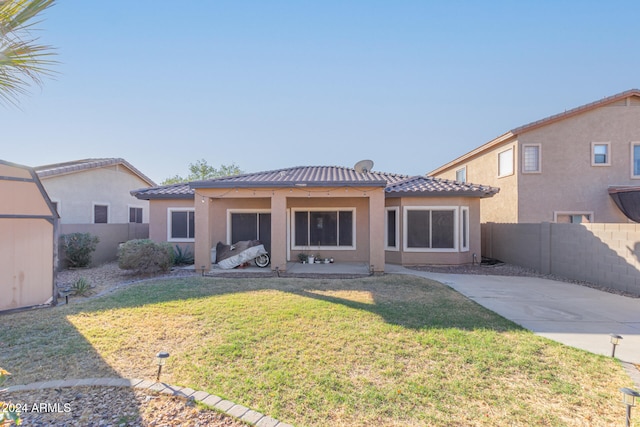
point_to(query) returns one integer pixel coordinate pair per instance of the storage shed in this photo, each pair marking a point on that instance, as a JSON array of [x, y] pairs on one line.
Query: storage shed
[[28, 239]]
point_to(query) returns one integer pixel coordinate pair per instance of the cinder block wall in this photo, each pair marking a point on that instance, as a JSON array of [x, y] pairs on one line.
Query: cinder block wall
[[604, 254]]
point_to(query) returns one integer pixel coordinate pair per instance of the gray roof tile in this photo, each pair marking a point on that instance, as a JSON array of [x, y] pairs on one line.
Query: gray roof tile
[[419, 185], [56, 169]]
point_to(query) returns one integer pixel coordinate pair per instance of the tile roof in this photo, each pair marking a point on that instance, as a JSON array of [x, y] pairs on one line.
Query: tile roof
[[322, 176], [419, 185], [312, 176], [173, 191], [56, 169]]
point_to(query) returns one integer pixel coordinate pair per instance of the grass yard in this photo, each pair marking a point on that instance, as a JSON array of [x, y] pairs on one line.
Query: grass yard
[[384, 351]]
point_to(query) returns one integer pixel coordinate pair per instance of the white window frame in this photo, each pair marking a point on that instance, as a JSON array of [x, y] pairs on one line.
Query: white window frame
[[179, 239], [93, 212], [312, 247], [250, 211], [633, 145], [129, 213], [524, 150], [593, 154], [512, 167], [464, 234], [556, 213], [386, 228], [464, 171], [456, 228]]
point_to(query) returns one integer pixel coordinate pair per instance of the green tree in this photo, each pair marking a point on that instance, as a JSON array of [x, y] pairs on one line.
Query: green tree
[[23, 60], [202, 170]]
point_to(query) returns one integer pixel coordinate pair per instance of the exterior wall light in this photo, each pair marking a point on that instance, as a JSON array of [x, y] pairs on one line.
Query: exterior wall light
[[615, 339], [629, 399], [161, 359]]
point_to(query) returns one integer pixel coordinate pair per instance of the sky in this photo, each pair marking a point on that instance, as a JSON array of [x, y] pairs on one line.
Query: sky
[[266, 85]]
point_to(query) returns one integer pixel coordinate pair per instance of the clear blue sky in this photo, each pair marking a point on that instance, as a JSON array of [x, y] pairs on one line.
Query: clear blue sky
[[273, 84]]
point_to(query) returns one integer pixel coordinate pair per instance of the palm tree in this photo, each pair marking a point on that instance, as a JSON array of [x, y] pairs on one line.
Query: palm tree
[[22, 60]]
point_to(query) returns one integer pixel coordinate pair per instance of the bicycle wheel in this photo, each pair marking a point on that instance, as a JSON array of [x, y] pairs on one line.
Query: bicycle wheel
[[262, 260]]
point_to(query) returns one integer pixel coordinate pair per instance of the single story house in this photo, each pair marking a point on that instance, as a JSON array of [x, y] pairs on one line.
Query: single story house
[[28, 248], [347, 214]]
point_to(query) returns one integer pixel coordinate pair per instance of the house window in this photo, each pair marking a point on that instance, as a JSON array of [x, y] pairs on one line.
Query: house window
[[324, 228], [430, 229], [635, 159], [135, 215], [531, 158], [461, 175], [464, 229], [391, 229], [181, 224], [250, 226], [505, 163], [100, 214], [573, 217], [600, 154]]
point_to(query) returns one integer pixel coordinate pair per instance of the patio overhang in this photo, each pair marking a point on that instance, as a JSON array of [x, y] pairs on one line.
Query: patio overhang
[[627, 198]]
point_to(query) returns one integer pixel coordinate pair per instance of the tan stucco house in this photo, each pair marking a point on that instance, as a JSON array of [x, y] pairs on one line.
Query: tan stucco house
[[28, 226], [94, 196], [570, 167], [349, 215]]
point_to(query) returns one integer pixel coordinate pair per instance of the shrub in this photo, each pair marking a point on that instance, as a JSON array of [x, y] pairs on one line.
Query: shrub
[[145, 256], [78, 248], [81, 287], [8, 412], [182, 256]]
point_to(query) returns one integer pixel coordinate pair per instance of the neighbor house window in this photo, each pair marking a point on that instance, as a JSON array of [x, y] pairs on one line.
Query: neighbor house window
[[392, 225], [461, 175], [250, 226], [505, 163], [135, 215], [573, 217], [181, 224], [430, 229], [324, 228], [100, 214], [464, 229], [635, 159], [531, 158], [600, 154]]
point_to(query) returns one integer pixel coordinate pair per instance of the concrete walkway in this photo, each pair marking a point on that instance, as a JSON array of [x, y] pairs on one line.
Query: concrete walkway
[[572, 314], [232, 409]]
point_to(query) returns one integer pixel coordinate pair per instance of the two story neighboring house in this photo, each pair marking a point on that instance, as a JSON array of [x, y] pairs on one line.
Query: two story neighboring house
[[582, 165], [93, 195]]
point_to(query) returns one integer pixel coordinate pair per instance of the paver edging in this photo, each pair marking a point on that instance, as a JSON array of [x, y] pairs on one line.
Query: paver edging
[[214, 402]]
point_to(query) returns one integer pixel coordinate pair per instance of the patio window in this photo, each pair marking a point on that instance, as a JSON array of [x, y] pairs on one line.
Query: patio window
[[181, 225], [391, 229], [430, 229], [250, 226], [329, 229]]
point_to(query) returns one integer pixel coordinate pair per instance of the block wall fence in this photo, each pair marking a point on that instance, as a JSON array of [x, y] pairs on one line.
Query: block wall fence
[[604, 254]]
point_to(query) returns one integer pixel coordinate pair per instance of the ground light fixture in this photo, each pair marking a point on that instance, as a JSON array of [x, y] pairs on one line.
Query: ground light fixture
[[161, 359], [615, 340], [629, 398]]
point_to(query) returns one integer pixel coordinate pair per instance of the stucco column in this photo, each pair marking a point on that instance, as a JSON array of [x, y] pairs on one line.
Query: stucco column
[[279, 231], [376, 231], [202, 245]]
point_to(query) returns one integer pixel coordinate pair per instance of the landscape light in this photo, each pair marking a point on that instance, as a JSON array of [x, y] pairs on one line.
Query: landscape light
[[161, 360], [629, 399], [615, 339]]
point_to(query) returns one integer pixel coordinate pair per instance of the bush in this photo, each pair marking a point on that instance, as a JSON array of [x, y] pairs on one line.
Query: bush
[[78, 248], [81, 287], [145, 256], [182, 256]]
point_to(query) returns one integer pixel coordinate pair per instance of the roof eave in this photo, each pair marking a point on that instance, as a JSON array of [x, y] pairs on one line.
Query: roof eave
[[205, 184], [476, 193]]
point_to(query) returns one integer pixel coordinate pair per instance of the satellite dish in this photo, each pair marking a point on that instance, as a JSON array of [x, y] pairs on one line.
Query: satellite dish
[[364, 166]]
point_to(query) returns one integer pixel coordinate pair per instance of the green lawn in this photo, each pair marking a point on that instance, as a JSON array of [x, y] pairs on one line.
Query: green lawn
[[387, 351]]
